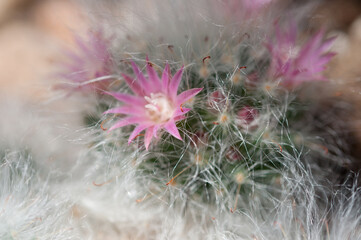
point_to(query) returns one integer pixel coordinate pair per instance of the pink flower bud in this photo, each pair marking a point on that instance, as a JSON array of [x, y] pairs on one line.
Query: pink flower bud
[[217, 100], [233, 155], [246, 116], [199, 139]]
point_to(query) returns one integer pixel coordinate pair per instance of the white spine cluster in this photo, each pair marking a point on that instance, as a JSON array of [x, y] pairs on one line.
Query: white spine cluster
[[28, 209]]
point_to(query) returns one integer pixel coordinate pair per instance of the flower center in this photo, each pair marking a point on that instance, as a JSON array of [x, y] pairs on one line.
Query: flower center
[[289, 53], [160, 109]]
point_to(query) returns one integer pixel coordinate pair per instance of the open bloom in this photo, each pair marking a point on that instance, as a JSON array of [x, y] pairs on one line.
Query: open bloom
[[88, 68], [155, 105], [296, 64]]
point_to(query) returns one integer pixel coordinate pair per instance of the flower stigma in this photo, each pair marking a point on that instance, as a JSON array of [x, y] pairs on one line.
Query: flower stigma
[[160, 108]]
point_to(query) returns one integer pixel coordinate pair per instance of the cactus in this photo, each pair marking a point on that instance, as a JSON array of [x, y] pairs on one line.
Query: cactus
[[202, 127]]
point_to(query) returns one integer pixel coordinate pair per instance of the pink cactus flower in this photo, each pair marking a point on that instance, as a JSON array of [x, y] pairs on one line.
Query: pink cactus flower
[[155, 104], [297, 64], [90, 67], [247, 114], [246, 118], [217, 100]]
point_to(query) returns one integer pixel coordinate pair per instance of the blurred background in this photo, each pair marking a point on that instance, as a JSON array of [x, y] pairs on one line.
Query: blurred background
[[33, 32]]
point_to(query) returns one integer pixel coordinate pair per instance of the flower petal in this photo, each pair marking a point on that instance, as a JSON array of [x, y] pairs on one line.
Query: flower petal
[[179, 118], [174, 83], [126, 98], [181, 111], [81, 44], [153, 77], [131, 110], [326, 45], [165, 79], [148, 137], [172, 129], [126, 121], [132, 83], [155, 130], [136, 131], [310, 50], [186, 95], [142, 80]]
